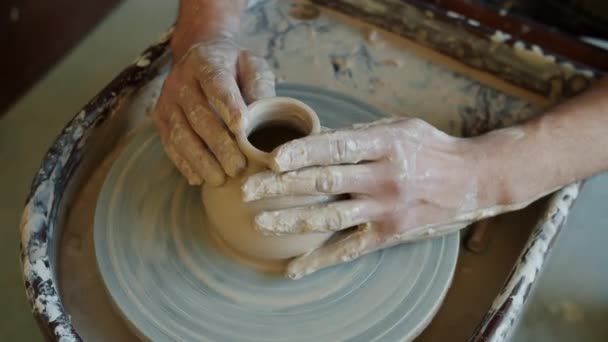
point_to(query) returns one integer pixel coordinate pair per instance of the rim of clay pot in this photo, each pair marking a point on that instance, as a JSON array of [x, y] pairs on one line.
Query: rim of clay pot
[[285, 111]]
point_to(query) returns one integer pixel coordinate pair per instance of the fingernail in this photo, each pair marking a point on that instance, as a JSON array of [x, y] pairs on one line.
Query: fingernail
[[274, 164], [236, 164], [194, 181], [238, 123], [293, 276], [286, 157], [263, 224], [259, 186], [297, 274], [280, 160], [248, 191]]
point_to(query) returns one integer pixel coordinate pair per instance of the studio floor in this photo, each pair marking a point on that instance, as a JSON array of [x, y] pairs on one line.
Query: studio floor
[[570, 301]]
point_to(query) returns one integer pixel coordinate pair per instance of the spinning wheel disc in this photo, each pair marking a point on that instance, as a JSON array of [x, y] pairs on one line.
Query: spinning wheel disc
[[168, 279]]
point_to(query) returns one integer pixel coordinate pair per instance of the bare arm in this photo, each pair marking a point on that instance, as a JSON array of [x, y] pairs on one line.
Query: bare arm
[[201, 20], [566, 144]]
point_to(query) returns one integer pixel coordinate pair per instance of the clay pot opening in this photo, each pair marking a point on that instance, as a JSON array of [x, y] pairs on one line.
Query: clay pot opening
[[271, 135], [274, 121]]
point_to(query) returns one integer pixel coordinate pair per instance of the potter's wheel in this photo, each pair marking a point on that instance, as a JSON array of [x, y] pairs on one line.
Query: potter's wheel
[[168, 279]]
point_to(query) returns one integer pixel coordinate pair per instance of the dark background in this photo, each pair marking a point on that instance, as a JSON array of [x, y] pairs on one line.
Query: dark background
[[35, 34]]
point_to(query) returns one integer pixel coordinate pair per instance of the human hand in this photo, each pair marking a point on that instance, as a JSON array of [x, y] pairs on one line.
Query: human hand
[[203, 101], [406, 181]]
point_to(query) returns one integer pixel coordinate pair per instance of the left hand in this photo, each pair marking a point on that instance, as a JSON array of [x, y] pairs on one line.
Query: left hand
[[406, 179], [205, 96], [203, 103]]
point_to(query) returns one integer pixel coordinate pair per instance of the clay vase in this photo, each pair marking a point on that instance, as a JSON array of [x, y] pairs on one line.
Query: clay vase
[[270, 123]]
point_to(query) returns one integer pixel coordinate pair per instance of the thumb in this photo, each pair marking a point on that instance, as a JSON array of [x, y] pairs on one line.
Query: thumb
[[255, 77]]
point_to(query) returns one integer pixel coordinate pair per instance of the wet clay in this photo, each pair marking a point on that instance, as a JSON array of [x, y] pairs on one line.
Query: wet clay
[[271, 122]]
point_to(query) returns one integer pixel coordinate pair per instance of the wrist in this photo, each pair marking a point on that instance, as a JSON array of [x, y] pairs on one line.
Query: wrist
[[205, 20], [494, 165]]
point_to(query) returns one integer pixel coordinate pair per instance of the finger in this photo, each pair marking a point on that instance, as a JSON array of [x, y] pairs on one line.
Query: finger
[[162, 126], [367, 239], [325, 180], [430, 231], [339, 147], [191, 148], [255, 77], [218, 80], [210, 128], [362, 241], [380, 122], [159, 115], [183, 166], [330, 217]]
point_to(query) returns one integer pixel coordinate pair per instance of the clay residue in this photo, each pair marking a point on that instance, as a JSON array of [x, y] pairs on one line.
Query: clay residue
[[302, 10]]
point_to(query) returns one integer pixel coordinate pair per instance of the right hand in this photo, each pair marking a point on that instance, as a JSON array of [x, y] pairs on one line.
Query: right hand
[[405, 181], [201, 106]]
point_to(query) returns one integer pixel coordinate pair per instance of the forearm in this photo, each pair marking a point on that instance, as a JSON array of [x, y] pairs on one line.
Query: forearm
[[200, 20], [566, 144]]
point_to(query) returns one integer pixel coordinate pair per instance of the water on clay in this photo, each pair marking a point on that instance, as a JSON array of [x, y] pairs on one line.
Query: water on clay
[[269, 136]]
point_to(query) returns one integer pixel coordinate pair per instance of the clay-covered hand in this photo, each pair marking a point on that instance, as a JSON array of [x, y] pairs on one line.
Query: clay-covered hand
[[202, 102], [404, 180]]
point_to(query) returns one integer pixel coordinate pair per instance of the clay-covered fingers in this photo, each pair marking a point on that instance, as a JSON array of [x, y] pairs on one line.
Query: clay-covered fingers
[[331, 217], [255, 77], [201, 108], [337, 147], [216, 74], [365, 239], [183, 142], [182, 165], [324, 180], [209, 127], [160, 117]]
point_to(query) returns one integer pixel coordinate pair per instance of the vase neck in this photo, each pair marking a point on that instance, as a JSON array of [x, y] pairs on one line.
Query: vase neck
[[272, 122]]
